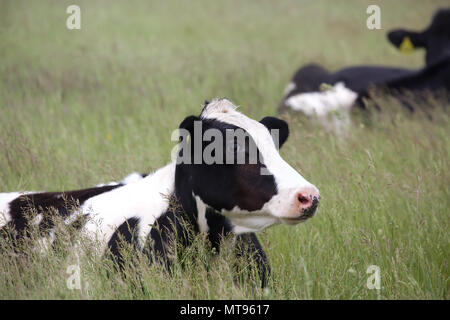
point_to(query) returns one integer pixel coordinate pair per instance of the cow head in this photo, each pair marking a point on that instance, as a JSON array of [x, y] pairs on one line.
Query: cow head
[[435, 39], [230, 163]]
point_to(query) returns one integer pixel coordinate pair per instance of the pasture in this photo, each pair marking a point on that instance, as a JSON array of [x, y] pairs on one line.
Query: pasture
[[80, 107]]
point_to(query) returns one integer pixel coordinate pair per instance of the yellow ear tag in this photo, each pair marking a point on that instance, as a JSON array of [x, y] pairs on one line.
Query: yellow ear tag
[[406, 46]]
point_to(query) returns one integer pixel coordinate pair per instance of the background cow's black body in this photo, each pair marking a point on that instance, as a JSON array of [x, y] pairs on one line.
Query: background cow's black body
[[433, 77], [357, 79]]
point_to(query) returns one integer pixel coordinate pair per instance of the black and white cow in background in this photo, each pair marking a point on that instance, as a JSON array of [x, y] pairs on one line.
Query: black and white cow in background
[[350, 85], [218, 199]]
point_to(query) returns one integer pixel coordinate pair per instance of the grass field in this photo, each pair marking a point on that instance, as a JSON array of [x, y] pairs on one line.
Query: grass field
[[80, 107]]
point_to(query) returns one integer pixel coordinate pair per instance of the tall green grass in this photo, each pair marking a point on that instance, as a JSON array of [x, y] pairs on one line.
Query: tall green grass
[[82, 107]]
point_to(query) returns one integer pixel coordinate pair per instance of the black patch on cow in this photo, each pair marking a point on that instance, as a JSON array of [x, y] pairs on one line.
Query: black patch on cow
[[219, 227], [308, 79], [173, 229], [161, 237], [249, 248], [432, 79], [27, 206], [126, 233]]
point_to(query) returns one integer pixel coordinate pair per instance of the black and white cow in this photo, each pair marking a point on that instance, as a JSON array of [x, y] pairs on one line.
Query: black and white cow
[[192, 194], [350, 85]]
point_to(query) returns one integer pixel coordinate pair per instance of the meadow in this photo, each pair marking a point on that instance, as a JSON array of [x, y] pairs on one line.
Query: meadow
[[80, 107]]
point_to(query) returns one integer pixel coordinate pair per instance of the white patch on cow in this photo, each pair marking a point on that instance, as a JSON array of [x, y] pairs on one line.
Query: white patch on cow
[[5, 199], [288, 180], [289, 88], [244, 221], [38, 219], [201, 216], [331, 107], [337, 99], [112, 183], [132, 177], [145, 199]]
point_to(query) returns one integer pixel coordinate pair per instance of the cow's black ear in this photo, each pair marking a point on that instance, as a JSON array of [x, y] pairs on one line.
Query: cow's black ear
[[188, 124], [273, 123], [404, 39]]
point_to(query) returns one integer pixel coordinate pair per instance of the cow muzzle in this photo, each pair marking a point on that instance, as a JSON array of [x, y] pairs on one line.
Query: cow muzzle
[[305, 203]]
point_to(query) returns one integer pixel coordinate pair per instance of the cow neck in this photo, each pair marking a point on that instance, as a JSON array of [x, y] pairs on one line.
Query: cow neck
[[201, 216], [183, 196]]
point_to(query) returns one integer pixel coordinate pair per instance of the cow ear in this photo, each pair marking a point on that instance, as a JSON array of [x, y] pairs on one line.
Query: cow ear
[[406, 40], [188, 124], [185, 139], [281, 126]]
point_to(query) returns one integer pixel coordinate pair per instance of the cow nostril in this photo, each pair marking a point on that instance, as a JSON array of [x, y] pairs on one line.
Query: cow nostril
[[302, 199]]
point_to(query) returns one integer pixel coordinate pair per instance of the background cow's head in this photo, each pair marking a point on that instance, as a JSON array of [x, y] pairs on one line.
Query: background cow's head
[[435, 39], [253, 192]]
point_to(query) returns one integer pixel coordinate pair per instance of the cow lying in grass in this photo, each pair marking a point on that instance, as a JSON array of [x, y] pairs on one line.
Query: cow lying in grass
[[350, 85], [237, 194], [7, 198]]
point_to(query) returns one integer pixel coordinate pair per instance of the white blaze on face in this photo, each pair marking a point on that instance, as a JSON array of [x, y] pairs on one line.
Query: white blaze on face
[[288, 181]]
